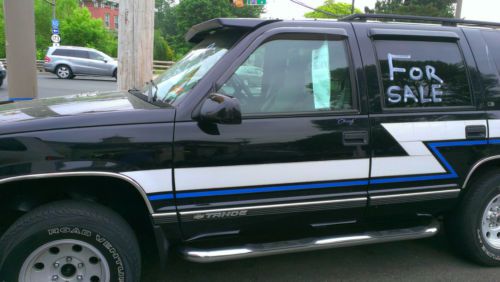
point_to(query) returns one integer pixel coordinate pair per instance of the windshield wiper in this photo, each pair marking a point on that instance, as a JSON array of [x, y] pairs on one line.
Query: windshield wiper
[[155, 97]]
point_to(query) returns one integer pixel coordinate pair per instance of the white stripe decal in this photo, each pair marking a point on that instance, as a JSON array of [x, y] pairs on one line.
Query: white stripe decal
[[398, 166], [152, 181], [494, 128], [269, 174], [411, 135]]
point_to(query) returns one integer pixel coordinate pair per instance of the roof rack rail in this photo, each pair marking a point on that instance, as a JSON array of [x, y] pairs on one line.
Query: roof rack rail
[[442, 21]]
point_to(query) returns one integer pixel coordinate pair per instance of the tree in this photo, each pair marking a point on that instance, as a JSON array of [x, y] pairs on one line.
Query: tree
[[162, 50], [43, 21], [82, 30], [338, 9], [175, 20], [435, 8]]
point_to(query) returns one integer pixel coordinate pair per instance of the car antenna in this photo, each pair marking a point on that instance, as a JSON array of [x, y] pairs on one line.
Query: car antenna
[[314, 9]]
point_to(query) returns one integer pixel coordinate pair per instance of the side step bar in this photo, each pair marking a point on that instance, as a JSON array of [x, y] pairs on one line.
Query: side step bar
[[308, 244]]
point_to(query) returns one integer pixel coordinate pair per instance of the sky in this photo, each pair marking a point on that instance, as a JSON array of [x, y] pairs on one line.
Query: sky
[[485, 10]]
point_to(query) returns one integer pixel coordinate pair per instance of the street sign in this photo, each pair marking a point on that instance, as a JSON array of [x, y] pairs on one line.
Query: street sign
[[55, 24], [55, 38], [255, 2], [55, 31]]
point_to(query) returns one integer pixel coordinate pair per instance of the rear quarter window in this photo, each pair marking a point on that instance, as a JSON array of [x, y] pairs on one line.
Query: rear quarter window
[[492, 39], [422, 74]]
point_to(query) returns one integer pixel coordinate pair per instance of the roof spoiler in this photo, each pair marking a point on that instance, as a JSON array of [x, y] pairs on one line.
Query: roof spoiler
[[199, 31]]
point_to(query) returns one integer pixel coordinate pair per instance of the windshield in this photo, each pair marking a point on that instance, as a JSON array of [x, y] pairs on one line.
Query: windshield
[[177, 81]]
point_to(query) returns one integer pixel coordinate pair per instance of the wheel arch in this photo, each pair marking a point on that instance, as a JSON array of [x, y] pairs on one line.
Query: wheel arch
[[481, 167], [63, 63], [58, 176], [20, 194]]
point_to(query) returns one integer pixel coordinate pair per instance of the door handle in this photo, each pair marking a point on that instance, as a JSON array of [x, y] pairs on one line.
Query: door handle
[[355, 138], [475, 132]]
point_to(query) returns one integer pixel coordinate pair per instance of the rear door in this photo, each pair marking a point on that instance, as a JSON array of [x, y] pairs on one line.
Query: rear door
[[79, 61], [299, 162], [428, 127]]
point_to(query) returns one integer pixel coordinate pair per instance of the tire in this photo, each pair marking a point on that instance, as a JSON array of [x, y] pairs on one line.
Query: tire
[[465, 227], [115, 74], [64, 72], [67, 239], [1, 82]]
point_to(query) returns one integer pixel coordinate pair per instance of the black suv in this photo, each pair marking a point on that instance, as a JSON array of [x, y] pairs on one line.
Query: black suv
[[268, 137]]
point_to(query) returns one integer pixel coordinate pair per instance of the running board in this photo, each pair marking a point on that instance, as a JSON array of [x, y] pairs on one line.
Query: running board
[[308, 244]]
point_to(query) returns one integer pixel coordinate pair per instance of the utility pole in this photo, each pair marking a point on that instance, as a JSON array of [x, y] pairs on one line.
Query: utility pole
[[21, 50], [458, 12], [53, 9], [135, 43], [352, 7]]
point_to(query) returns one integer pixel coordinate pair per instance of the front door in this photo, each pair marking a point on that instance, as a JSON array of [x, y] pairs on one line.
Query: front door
[[98, 64], [299, 160]]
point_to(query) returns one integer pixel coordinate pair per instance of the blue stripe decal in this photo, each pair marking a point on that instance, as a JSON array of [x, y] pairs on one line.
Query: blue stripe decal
[[161, 197], [20, 99], [267, 189], [271, 189], [433, 147]]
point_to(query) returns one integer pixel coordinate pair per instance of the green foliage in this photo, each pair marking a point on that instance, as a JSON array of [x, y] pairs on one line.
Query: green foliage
[[77, 27], [2, 31], [338, 9], [175, 20], [435, 8], [162, 50], [43, 21], [83, 30]]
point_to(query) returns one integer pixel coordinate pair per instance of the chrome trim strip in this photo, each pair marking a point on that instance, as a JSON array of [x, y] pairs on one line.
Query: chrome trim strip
[[476, 166], [415, 194], [164, 214], [308, 244], [275, 206], [82, 173], [415, 188]]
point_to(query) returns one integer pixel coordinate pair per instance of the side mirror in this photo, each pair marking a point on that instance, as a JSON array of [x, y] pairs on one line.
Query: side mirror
[[218, 108], [105, 61]]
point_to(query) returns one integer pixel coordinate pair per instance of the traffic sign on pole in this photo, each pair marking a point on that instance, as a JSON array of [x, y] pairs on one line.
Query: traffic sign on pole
[[55, 38], [255, 2], [55, 31], [55, 23]]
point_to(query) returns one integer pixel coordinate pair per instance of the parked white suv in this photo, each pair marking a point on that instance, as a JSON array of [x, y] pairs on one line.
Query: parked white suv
[[67, 62]]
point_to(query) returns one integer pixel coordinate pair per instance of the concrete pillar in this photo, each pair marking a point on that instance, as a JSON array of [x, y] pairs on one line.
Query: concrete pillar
[[21, 49], [135, 43]]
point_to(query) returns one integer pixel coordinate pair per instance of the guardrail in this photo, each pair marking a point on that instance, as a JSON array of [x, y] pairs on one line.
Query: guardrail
[[157, 65]]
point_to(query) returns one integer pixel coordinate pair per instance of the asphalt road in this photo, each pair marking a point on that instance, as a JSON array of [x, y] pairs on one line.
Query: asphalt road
[[419, 260], [50, 86]]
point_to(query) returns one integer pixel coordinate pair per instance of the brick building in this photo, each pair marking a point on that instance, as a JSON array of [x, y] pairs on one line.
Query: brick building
[[107, 10]]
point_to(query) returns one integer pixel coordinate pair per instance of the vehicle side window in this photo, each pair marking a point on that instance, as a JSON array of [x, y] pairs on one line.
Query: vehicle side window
[[422, 74], [293, 74], [95, 56], [492, 39], [80, 54], [61, 52]]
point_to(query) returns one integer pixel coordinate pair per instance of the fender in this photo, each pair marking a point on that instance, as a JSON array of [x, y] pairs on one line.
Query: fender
[[83, 173], [476, 166]]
